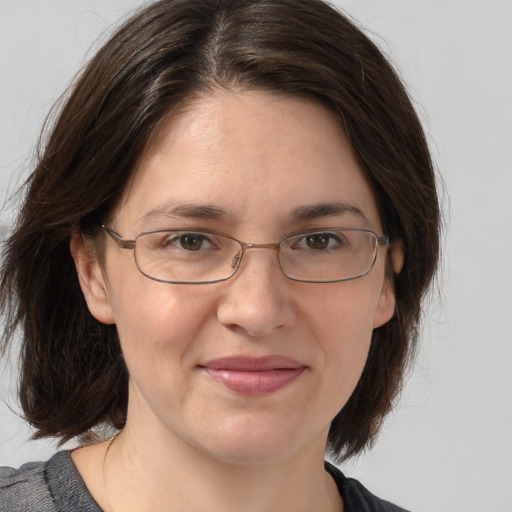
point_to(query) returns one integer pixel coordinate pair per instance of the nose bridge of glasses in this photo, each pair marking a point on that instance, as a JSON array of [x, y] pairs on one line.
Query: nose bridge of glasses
[[249, 245]]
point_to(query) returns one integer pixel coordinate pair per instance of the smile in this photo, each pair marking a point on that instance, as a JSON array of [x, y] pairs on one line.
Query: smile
[[254, 376]]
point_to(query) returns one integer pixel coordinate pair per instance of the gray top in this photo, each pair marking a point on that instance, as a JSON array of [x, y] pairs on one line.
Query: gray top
[[56, 486], [53, 486]]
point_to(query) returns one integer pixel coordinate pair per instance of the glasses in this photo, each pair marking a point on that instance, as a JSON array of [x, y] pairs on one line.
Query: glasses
[[200, 257]]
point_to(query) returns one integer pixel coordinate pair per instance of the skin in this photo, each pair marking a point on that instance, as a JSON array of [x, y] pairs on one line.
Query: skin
[[190, 441]]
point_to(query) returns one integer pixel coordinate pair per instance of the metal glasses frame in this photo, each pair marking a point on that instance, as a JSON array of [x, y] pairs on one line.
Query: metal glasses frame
[[130, 244]]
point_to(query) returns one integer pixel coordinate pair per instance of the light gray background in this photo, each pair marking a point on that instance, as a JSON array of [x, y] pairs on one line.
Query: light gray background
[[448, 446]]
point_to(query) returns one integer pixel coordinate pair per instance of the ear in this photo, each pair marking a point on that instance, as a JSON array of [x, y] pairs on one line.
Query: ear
[[91, 278], [386, 302]]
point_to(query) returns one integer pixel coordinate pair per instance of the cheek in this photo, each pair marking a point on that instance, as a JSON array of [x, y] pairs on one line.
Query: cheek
[[345, 339], [344, 312], [155, 321], [343, 320]]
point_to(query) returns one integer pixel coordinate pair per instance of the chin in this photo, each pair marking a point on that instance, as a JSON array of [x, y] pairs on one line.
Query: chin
[[255, 443], [248, 454]]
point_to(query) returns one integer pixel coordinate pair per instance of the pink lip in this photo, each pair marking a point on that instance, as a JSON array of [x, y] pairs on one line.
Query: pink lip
[[254, 376]]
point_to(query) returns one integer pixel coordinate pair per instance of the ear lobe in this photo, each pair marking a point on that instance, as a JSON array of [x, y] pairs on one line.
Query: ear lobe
[[90, 276], [386, 303]]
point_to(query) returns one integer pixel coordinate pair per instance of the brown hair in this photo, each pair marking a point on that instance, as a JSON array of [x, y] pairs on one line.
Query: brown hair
[[73, 377]]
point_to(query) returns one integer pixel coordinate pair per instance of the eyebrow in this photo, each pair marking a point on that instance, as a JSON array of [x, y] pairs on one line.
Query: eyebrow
[[194, 211], [205, 211], [326, 210]]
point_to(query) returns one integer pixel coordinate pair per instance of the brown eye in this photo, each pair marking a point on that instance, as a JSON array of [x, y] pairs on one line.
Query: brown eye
[[188, 242], [319, 241], [191, 241]]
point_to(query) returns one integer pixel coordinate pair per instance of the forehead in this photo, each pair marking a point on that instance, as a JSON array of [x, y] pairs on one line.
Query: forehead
[[248, 154]]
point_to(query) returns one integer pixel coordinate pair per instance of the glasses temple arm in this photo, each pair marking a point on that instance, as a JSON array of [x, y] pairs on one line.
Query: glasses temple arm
[[118, 239], [384, 240]]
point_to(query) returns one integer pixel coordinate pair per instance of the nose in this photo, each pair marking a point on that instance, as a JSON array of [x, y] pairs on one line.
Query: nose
[[258, 298]]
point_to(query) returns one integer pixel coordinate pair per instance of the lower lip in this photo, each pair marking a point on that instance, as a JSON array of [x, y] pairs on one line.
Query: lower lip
[[255, 383]]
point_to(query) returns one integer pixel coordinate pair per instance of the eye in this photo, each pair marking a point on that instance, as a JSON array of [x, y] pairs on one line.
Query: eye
[[188, 241], [319, 241]]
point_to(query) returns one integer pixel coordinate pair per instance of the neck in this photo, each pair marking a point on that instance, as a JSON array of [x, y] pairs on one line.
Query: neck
[[173, 476]]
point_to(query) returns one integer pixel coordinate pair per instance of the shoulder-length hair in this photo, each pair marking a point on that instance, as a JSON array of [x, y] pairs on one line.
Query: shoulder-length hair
[[73, 377]]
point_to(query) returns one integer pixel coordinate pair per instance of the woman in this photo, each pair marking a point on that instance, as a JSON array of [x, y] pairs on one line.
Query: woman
[[221, 255]]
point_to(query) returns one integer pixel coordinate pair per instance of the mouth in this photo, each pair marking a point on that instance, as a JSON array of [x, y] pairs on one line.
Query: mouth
[[252, 376]]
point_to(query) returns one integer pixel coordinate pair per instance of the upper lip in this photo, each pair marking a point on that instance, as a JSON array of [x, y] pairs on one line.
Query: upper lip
[[251, 363]]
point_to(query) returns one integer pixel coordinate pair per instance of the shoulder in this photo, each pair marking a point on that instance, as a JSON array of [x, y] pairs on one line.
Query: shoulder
[[24, 489], [356, 497], [52, 486]]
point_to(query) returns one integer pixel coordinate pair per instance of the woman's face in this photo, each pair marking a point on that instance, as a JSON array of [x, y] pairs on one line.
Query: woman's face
[[252, 369]]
